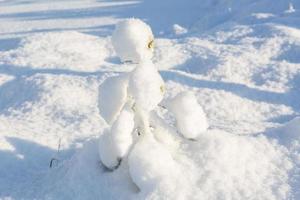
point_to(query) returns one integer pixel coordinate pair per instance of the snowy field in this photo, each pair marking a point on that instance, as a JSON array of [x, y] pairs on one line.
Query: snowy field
[[240, 57]]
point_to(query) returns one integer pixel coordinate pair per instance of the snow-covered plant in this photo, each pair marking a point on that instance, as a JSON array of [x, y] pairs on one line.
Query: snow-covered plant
[[127, 103]]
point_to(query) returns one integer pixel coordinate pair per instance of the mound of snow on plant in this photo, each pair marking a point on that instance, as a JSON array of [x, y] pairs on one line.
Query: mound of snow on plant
[[190, 117]]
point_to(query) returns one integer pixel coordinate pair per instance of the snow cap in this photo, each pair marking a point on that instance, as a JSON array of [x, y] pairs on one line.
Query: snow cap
[[133, 40]]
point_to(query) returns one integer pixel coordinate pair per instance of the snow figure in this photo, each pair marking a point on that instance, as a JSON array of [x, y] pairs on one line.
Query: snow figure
[[126, 100], [127, 103]]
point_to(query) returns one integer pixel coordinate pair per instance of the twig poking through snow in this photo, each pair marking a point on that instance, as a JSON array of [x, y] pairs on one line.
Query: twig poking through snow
[[53, 159]]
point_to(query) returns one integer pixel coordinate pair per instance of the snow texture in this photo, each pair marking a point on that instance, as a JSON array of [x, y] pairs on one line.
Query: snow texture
[[115, 142], [190, 117], [240, 58], [146, 86], [60, 50], [151, 165], [121, 132], [291, 132], [112, 97]]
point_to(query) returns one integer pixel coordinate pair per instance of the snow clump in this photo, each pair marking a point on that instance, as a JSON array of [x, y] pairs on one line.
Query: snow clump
[[146, 86], [190, 117], [133, 40]]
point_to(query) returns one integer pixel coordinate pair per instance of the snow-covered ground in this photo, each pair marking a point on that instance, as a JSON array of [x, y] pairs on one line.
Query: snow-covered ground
[[240, 57]]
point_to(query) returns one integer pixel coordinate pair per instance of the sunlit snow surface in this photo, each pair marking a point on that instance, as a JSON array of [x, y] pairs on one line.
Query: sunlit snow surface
[[240, 58]]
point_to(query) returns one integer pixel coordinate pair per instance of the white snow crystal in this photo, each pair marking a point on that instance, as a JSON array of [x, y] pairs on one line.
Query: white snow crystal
[[133, 40], [190, 117], [146, 86], [112, 97]]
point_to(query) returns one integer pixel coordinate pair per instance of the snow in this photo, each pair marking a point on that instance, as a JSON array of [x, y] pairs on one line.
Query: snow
[[121, 131], [238, 167], [151, 165], [133, 40], [146, 86], [114, 91], [179, 30], [190, 117], [116, 141], [239, 58], [60, 50], [107, 151]]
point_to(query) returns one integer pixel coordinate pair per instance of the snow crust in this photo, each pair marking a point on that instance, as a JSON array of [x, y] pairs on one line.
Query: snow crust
[[60, 50]]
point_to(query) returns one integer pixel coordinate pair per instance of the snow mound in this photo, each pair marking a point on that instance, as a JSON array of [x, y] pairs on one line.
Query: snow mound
[[60, 50], [133, 40], [218, 164], [84, 177], [240, 167], [151, 165], [190, 117]]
